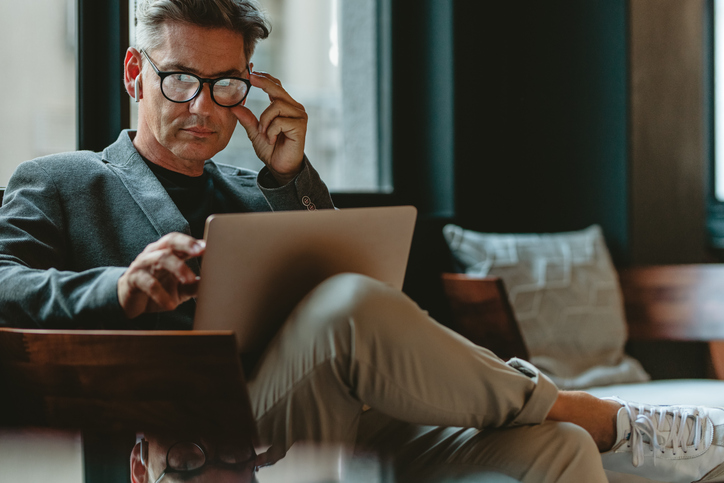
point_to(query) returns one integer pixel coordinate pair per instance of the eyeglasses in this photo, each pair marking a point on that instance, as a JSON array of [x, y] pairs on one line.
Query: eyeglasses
[[183, 87], [188, 458]]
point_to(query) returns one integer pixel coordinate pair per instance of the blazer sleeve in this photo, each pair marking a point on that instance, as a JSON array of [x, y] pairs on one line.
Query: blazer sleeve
[[306, 192], [38, 287]]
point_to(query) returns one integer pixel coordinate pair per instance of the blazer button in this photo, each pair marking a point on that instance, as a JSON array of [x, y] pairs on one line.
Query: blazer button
[[306, 201]]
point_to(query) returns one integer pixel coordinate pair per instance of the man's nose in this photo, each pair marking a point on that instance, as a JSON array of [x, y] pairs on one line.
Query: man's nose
[[202, 103]]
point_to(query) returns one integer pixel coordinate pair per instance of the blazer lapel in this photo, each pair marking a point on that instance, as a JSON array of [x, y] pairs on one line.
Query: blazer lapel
[[145, 189]]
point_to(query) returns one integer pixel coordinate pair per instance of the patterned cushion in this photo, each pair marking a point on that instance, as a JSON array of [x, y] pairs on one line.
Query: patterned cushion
[[565, 294]]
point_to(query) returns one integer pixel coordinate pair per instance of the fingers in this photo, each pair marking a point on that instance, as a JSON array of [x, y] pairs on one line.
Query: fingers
[[282, 106], [278, 136], [162, 262], [277, 110], [269, 457], [268, 76], [189, 290], [154, 289], [273, 87], [247, 119], [293, 129], [159, 278], [184, 246]]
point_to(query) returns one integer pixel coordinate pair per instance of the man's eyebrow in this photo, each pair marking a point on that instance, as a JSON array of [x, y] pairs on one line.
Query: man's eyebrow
[[177, 67]]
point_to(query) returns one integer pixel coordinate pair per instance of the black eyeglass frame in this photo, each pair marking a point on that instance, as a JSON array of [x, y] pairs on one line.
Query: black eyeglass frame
[[202, 81], [169, 469]]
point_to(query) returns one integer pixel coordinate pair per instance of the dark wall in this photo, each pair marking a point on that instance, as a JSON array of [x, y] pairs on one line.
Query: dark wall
[[541, 116], [509, 117], [423, 121]]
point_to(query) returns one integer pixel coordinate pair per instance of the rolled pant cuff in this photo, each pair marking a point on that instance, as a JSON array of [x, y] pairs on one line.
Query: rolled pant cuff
[[540, 400]]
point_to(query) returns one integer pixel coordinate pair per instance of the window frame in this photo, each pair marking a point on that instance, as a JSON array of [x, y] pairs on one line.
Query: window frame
[[714, 207], [102, 109]]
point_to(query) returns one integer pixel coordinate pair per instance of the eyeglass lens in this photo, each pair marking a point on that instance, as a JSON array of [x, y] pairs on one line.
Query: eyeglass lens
[[185, 456], [183, 87], [188, 456]]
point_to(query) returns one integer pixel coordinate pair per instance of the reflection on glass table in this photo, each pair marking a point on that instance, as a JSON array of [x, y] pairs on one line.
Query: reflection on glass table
[[186, 458], [172, 458]]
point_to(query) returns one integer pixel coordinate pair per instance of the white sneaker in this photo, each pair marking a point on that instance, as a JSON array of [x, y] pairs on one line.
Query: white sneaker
[[680, 444]]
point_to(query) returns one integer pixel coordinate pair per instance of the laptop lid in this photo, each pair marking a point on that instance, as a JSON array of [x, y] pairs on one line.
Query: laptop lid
[[258, 266]]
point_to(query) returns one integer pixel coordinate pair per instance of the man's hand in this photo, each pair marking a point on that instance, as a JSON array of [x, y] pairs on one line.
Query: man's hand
[[159, 279], [278, 134]]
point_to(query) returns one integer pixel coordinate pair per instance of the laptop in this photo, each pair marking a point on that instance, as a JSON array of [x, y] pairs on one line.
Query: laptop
[[259, 266]]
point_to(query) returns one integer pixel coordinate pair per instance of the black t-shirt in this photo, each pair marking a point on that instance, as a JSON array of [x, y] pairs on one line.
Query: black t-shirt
[[194, 196]]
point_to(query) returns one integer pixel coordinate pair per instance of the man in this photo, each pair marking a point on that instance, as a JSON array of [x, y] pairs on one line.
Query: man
[[110, 240]]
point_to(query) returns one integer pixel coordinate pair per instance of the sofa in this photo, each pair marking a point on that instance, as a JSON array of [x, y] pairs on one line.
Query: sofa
[[669, 347]]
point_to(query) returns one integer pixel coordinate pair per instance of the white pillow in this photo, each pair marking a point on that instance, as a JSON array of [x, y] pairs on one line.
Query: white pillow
[[565, 294]]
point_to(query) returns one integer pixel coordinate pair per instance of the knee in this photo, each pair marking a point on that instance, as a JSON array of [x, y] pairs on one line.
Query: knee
[[357, 308], [349, 290], [339, 299]]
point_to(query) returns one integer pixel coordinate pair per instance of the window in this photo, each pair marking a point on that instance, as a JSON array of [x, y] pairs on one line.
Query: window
[[39, 101], [718, 64], [714, 90], [325, 54]]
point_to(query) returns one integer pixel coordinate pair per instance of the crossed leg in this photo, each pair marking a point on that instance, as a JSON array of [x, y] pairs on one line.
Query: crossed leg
[[353, 341], [560, 452]]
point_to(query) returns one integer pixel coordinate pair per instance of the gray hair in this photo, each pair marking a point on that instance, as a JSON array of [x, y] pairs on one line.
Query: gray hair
[[242, 16]]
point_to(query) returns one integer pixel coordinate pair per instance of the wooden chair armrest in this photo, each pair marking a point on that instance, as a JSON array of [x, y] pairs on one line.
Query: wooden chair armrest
[[674, 302], [481, 312], [124, 380], [677, 303], [716, 352]]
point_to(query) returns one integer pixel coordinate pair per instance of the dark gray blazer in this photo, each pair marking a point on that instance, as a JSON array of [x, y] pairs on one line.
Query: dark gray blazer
[[71, 223]]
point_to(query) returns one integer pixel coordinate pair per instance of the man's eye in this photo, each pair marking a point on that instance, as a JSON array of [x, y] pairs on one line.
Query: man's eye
[[223, 82]]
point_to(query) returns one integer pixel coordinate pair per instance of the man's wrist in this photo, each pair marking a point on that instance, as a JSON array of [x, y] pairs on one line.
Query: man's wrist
[[286, 178], [283, 180]]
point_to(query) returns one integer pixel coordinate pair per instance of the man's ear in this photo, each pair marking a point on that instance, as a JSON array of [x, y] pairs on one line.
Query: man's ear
[[131, 70], [139, 473]]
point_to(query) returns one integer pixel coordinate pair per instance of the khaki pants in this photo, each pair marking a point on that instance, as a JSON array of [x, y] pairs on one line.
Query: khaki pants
[[440, 403]]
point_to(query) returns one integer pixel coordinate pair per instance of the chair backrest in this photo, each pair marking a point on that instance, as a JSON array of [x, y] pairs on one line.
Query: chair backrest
[[481, 312]]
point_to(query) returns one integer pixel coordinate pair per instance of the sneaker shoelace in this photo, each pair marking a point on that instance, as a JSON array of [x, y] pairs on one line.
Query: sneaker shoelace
[[663, 427]]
